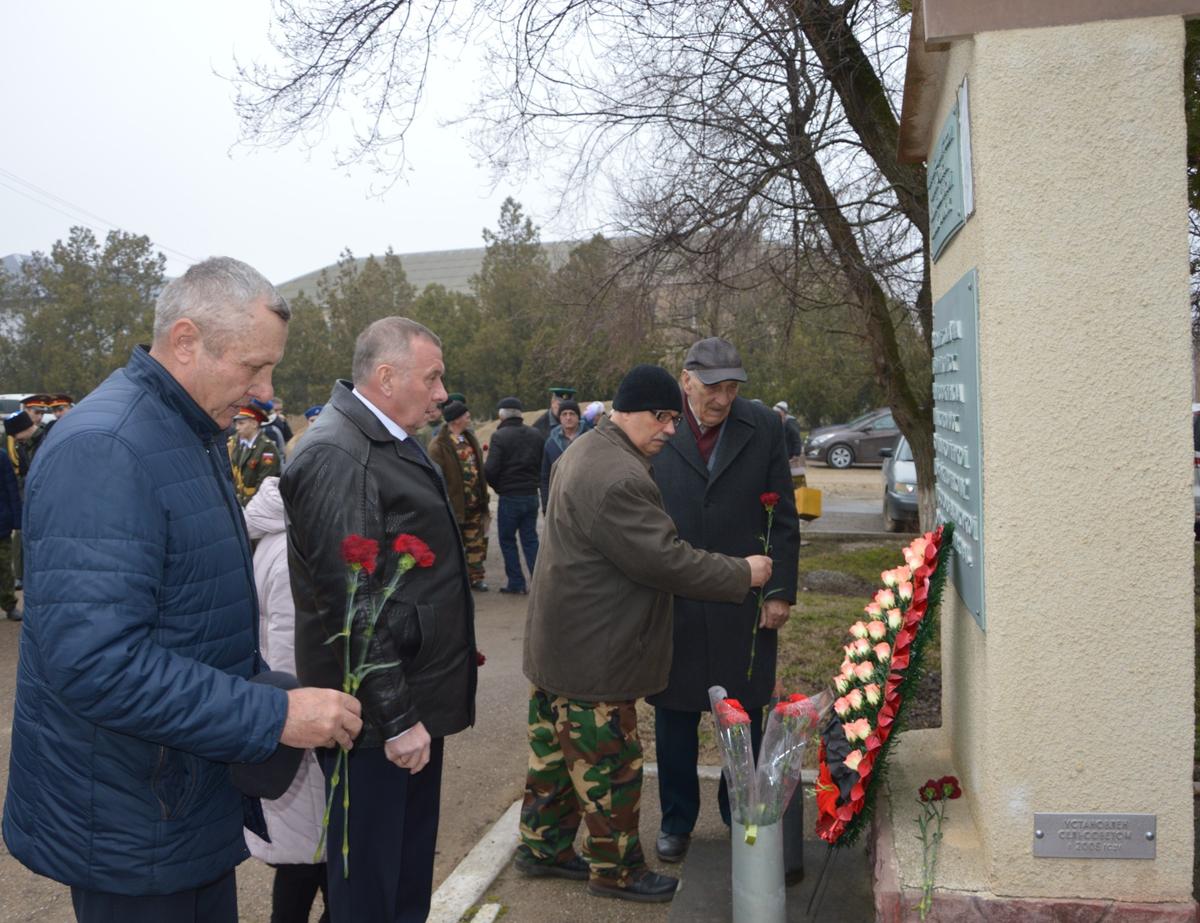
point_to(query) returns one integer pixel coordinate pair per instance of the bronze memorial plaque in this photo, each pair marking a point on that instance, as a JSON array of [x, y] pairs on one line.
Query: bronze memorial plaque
[[1095, 836]]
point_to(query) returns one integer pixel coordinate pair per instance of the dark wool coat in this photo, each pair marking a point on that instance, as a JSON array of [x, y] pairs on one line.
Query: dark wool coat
[[721, 512], [10, 499], [141, 629]]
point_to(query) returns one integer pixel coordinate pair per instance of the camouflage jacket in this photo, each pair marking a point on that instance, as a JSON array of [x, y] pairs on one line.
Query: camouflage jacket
[[253, 463]]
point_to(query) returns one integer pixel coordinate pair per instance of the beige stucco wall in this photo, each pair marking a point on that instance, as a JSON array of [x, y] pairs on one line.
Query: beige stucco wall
[[1079, 695]]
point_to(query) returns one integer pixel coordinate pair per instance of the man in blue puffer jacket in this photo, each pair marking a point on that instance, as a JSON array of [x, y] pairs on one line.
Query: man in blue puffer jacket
[[141, 622]]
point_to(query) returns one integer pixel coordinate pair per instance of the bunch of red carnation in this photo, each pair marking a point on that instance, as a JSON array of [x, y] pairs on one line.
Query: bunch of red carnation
[[881, 664]]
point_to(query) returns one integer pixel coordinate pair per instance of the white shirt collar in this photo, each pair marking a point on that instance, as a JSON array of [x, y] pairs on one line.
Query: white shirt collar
[[388, 423]]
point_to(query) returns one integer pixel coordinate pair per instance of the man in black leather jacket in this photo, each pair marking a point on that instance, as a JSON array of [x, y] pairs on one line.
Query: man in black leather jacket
[[357, 471]]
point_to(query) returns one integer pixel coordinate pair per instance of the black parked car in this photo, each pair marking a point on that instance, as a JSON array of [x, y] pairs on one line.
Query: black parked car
[[856, 442]]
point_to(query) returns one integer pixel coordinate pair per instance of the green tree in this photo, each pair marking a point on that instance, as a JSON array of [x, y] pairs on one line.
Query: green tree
[[600, 323], [353, 296], [511, 287], [73, 316], [454, 317], [307, 372]]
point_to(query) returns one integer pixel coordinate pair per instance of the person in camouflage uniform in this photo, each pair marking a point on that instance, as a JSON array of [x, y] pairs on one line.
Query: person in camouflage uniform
[[252, 454], [458, 453], [598, 637]]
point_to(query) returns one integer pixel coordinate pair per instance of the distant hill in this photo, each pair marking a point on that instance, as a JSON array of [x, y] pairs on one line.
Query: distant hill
[[12, 263], [451, 268]]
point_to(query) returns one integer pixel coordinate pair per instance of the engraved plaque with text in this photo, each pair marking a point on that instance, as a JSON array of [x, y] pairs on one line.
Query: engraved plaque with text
[[944, 185], [1095, 836], [957, 435]]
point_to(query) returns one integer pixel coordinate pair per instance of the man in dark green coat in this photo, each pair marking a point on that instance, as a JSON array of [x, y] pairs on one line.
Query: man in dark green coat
[[253, 455], [598, 637]]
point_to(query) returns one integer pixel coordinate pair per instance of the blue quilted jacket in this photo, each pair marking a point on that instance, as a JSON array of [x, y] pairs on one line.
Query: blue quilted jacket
[[139, 634]]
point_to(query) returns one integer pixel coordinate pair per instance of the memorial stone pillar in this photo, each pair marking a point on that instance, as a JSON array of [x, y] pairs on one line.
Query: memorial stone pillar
[[1055, 143]]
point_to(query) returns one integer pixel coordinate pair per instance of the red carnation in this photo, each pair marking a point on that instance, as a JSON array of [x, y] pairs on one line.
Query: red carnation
[[480, 660], [411, 545], [949, 787], [769, 500], [730, 712], [358, 551]]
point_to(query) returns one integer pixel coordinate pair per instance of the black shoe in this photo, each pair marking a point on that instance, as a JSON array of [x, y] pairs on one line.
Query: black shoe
[[647, 887], [480, 587], [575, 868], [516, 592], [672, 847], [15, 615]]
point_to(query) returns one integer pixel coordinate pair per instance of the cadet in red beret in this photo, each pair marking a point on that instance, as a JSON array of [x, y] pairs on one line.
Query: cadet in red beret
[[252, 453]]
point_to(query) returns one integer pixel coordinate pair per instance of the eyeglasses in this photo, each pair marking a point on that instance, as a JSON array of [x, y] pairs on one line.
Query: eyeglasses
[[667, 416]]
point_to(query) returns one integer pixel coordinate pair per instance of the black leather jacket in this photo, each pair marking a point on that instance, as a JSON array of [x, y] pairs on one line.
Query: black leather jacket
[[349, 476], [514, 462]]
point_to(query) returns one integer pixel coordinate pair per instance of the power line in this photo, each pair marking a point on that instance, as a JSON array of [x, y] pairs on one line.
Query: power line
[[76, 210]]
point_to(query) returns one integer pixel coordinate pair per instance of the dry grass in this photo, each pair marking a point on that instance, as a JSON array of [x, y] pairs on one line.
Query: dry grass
[[810, 645]]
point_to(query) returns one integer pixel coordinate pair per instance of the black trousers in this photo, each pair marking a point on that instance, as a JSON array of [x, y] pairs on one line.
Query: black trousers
[[677, 743], [393, 833], [212, 903], [295, 889]]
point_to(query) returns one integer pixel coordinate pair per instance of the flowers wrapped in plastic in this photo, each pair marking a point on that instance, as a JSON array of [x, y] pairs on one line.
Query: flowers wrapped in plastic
[[758, 795]]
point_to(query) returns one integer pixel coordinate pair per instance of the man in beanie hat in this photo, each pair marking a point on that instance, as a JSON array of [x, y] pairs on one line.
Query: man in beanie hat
[[514, 467], [570, 426], [712, 474], [253, 454], [459, 455], [598, 637]]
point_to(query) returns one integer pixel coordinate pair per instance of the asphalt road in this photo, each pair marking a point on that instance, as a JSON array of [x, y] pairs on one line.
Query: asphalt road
[[484, 767]]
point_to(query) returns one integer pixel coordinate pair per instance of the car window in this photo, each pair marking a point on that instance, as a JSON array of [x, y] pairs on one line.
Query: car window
[[903, 450], [884, 422]]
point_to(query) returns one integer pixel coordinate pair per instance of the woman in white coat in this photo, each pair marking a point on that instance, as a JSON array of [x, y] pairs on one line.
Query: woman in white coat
[[293, 819]]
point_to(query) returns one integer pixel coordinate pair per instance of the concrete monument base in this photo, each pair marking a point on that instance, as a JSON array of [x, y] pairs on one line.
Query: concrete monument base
[[962, 891]]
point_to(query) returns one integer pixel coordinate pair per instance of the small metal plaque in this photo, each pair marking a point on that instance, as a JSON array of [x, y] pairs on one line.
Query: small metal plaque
[[1095, 836]]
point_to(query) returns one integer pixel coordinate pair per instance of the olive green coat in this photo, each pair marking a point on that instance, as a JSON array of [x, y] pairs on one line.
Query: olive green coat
[[251, 465], [599, 622]]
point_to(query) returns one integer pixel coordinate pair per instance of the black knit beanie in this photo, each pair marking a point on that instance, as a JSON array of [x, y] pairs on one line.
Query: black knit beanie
[[648, 387], [453, 410], [569, 404]]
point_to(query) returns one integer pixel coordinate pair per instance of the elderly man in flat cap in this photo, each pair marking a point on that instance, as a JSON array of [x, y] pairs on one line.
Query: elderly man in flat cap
[[726, 455], [598, 637]]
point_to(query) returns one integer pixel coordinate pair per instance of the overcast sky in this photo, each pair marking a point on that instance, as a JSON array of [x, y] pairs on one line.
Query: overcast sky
[[113, 116]]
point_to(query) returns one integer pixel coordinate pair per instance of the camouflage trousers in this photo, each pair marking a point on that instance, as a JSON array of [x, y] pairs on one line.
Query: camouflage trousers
[[585, 761], [475, 543]]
